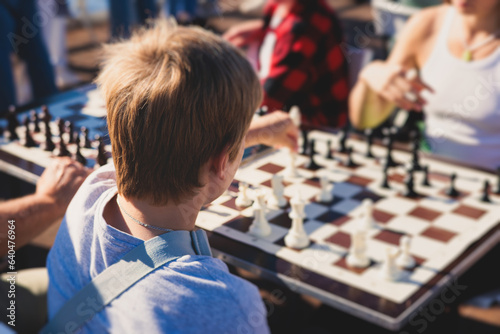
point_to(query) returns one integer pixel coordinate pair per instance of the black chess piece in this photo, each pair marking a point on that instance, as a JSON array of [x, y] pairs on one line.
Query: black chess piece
[[344, 134], [86, 140], [425, 181], [78, 154], [389, 142], [385, 181], [312, 165], [13, 123], [305, 142], [409, 183], [102, 159], [329, 154], [349, 162], [35, 121], [71, 128], [49, 144], [486, 192], [452, 191], [63, 150], [415, 166], [28, 139], [369, 143], [60, 126], [46, 116]]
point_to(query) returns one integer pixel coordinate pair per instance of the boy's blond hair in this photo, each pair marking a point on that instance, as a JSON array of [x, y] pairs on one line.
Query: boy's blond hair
[[176, 96]]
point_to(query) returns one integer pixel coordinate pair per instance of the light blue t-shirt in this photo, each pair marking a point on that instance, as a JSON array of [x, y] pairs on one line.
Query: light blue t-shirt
[[194, 294]]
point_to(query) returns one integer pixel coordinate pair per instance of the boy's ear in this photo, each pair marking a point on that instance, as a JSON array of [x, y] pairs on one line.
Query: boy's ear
[[220, 163]]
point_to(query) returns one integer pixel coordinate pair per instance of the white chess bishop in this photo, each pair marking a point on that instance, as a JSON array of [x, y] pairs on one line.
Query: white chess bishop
[[297, 237], [260, 226], [277, 200], [357, 253]]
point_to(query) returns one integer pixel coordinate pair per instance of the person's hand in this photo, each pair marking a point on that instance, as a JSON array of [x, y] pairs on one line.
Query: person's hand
[[275, 129], [244, 33], [60, 181], [395, 84]]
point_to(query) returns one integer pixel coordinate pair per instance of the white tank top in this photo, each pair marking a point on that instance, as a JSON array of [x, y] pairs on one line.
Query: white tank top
[[462, 117]]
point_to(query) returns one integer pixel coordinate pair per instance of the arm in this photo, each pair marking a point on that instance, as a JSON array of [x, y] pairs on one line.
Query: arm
[[383, 85], [245, 33], [36, 212], [275, 129]]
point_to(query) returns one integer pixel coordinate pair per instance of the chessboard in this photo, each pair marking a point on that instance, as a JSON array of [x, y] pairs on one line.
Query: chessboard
[[433, 208], [77, 128]]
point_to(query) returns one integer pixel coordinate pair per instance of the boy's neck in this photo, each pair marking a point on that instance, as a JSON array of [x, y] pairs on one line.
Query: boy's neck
[[172, 216]]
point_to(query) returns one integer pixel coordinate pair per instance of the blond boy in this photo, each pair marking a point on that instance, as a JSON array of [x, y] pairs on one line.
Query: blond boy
[[180, 102]]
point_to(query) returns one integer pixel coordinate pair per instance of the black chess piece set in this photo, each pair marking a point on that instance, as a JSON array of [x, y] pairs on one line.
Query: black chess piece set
[[65, 129]]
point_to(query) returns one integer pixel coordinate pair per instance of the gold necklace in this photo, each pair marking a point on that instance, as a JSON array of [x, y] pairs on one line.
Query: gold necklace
[[467, 54]]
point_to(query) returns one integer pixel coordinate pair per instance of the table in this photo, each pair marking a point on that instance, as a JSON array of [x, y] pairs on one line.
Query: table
[[329, 280]]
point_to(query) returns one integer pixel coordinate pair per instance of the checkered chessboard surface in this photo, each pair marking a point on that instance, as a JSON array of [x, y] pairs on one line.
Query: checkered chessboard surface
[[84, 107], [441, 228]]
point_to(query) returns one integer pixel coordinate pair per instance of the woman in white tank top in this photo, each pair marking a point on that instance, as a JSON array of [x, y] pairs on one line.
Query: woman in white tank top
[[456, 49]]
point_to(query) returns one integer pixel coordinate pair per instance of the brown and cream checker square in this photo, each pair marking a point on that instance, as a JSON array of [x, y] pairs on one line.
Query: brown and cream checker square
[[359, 180], [342, 262], [437, 233], [269, 184], [282, 220], [396, 177], [313, 182], [240, 223], [381, 216], [340, 238], [271, 168], [390, 237], [232, 204], [469, 211], [425, 213]]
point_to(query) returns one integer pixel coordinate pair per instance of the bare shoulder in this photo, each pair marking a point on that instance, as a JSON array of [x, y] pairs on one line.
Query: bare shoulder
[[418, 35]]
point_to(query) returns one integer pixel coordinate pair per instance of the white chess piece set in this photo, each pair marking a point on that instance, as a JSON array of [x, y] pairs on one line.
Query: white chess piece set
[[394, 260]]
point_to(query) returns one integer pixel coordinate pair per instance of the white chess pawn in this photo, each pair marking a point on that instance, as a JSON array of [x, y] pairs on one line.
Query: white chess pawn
[[405, 260], [297, 237], [277, 200], [325, 195], [291, 169], [389, 270], [260, 226], [357, 252], [366, 220], [243, 200]]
